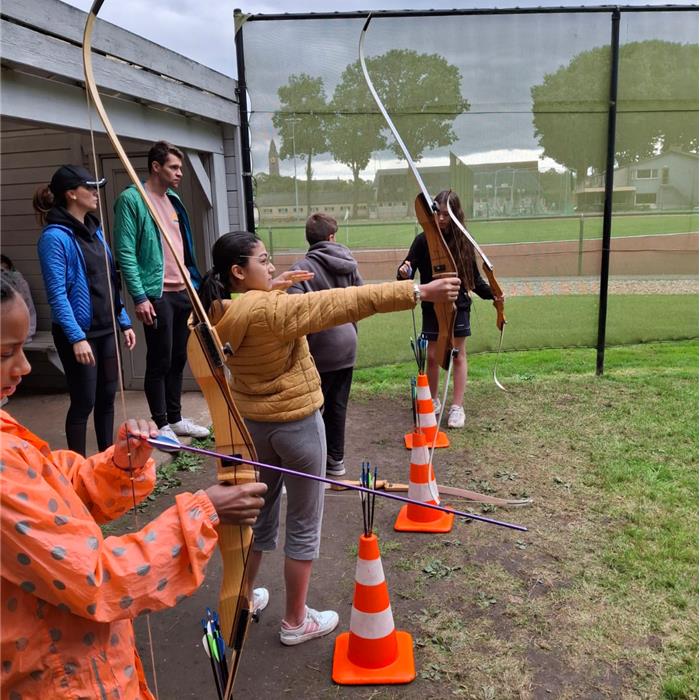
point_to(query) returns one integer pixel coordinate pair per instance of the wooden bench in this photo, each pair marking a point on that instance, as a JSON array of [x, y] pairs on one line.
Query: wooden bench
[[43, 342]]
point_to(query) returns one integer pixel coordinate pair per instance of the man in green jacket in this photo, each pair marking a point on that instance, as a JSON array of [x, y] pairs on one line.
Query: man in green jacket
[[154, 281]]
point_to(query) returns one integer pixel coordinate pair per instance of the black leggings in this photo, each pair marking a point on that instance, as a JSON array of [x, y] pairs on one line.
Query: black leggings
[[90, 387]]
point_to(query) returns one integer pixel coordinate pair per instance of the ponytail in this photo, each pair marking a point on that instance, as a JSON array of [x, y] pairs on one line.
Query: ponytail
[[212, 289], [43, 201]]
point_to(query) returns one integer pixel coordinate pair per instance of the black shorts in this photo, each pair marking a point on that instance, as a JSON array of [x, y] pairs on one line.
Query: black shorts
[[430, 323]]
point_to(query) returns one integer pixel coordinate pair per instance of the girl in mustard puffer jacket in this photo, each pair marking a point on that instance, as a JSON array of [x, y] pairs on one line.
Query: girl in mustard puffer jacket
[[278, 392]]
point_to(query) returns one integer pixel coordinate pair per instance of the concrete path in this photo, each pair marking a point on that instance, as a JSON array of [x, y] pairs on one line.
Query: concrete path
[[557, 286]]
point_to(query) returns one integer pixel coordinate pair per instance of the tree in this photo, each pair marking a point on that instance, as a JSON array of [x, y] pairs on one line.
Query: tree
[[354, 132], [422, 93], [657, 105], [301, 122]]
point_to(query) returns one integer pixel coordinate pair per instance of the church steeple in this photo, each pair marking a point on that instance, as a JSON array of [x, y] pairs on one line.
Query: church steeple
[[273, 159]]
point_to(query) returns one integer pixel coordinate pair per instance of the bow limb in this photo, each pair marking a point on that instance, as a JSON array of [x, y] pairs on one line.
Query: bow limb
[[206, 355], [441, 260]]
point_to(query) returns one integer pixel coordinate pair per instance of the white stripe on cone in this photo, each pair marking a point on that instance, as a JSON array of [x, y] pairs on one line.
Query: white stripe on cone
[[369, 572], [435, 494], [371, 625], [427, 420], [419, 455], [423, 492], [423, 392]]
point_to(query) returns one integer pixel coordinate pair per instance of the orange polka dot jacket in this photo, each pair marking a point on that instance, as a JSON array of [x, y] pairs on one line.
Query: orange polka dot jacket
[[69, 593]]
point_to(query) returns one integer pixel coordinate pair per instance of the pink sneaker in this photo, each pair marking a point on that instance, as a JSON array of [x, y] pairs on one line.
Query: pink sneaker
[[316, 624]]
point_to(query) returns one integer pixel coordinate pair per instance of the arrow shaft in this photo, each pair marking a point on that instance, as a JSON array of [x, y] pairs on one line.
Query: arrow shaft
[[168, 447]]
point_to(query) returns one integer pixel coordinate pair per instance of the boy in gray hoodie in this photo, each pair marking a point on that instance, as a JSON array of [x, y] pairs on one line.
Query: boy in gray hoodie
[[334, 349]]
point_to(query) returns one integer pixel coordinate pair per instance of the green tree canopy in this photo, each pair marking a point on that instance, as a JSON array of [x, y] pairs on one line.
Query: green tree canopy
[[422, 93], [657, 105], [301, 122], [354, 130]]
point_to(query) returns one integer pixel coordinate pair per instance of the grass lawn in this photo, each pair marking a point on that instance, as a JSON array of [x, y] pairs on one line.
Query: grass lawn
[[602, 592], [400, 234], [537, 322]]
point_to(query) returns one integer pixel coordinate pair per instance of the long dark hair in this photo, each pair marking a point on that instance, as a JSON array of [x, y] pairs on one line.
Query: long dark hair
[[461, 249], [231, 249]]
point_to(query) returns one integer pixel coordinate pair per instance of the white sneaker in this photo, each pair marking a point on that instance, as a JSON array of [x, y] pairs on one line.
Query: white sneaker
[[316, 624], [455, 418], [167, 432], [437, 406], [189, 428], [261, 597]]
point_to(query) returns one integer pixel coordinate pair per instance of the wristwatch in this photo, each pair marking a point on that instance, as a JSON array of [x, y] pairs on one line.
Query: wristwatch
[[416, 293]]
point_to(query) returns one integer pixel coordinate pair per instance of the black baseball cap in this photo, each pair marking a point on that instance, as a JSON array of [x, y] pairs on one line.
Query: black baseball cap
[[68, 177]]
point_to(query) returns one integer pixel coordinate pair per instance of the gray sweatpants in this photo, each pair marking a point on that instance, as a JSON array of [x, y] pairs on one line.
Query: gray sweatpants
[[298, 445]]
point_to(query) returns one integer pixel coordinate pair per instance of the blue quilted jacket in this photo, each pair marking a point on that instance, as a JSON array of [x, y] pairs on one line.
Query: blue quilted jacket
[[65, 279]]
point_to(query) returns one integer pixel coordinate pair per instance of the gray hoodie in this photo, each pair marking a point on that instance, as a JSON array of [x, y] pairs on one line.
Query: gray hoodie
[[333, 266]]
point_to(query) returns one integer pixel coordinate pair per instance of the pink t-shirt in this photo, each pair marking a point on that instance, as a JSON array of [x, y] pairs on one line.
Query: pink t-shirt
[[172, 279]]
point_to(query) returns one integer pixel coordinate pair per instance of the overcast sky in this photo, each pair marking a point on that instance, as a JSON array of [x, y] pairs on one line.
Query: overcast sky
[[499, 57], [203, 30]]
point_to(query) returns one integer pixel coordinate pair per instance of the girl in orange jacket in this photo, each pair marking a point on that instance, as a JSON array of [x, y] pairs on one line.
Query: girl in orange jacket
[[69, 593]]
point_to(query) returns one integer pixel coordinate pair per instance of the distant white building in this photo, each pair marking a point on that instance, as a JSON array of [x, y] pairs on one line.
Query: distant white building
[[666, 181]]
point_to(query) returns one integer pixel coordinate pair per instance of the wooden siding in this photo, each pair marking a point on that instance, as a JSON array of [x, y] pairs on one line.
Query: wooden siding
[[150, 93], [53, 30]]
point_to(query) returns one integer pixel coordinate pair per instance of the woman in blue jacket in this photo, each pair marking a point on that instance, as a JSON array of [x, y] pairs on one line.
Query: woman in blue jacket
[[79, 285]]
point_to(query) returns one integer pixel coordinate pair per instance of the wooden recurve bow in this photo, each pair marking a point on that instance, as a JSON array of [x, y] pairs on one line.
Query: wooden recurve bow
[[206, 355]]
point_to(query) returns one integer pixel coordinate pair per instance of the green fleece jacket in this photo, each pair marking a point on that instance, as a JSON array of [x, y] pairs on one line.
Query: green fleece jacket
[[139, 248]]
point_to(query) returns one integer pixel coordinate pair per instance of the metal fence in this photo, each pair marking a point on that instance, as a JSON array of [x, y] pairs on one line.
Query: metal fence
[[570, 136]]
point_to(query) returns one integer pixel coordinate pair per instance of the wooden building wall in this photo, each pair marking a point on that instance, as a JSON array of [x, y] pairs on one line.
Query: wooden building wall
[[149, 92]]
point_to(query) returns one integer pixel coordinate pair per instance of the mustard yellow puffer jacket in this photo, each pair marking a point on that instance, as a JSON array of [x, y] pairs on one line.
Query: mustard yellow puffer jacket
[[274, 376]]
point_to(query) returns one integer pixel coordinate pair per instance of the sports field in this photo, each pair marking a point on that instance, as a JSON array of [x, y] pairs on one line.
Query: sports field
[[399, 234]]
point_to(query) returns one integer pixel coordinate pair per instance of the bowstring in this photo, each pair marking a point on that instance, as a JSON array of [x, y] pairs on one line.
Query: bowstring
[[120, 377]]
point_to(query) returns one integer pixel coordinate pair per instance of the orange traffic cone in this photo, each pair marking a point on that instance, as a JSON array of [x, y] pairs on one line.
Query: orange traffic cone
[[425, 418], [372, 652], [422, 487]]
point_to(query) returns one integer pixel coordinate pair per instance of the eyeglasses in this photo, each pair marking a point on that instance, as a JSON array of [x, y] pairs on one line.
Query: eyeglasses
[[263, 259]]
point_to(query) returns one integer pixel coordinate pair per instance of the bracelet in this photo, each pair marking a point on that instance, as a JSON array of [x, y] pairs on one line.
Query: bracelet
[[416, 293], [123, 469]]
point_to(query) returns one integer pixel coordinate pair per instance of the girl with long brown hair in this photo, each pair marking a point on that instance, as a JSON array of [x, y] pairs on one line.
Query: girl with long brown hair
[[418, 260]]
